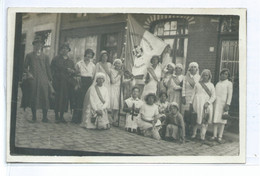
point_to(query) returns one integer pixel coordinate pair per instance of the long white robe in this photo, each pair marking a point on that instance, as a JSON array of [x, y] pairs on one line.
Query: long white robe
[[115, 90], [107, 83], [224, 90], [174, 90], [200, 97], [92, 103], [187, 91], [151, 86]]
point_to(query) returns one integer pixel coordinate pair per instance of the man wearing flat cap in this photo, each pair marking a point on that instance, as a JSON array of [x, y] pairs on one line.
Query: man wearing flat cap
[[63, 71], [37, 69]]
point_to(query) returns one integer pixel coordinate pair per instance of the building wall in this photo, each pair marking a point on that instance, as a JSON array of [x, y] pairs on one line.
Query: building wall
[[71, 21], [202, 38], [203, 44], [84, 31], [35, 22]]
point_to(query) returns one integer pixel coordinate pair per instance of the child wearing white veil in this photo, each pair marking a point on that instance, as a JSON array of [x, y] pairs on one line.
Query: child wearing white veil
[[95, 106]]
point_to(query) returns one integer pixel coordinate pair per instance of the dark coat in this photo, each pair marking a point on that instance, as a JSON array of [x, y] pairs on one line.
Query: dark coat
[[63, 82], [36, 89]]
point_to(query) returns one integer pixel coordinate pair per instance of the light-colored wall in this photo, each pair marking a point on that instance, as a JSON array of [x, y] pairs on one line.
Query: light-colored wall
[[33, 22]]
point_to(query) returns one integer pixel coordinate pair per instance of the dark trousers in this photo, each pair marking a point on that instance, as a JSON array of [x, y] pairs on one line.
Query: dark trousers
[[79, 98], [44, 113]]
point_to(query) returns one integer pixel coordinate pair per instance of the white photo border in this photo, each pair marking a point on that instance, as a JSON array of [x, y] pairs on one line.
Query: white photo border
[[241, 158]]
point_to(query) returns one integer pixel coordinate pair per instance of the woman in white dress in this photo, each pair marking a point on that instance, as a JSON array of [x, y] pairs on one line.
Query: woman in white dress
[[149, 122], [202, 103], [104, 67], [152, 77], [96, 103], [224, 91], [174, 85], [189, 81], [116, 74], [132, 107]]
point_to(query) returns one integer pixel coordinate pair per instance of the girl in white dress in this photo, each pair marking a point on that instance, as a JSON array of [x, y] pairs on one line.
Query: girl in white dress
[[166, 81], [149, 122], [202, 103], [116, 74], [95, 104], [178, 85], [152, 77], [224, 90], [189, 81], [132, 107]]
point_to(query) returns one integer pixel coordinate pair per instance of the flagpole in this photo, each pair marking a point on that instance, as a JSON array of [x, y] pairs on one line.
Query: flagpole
[[121, 79]]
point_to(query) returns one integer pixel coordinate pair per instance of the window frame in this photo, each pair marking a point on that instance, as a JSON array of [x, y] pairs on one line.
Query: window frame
[[180, 22]]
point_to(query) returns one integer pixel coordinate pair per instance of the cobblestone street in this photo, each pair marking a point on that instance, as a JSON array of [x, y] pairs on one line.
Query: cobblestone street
[[72, 137]]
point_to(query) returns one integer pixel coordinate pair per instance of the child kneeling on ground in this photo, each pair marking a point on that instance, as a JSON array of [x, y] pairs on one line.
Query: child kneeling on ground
[[132, 107], [175, 127], [148, 121]]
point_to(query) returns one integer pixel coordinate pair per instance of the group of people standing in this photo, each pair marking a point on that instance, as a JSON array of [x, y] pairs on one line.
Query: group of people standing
[[89, 89], [155, 108]]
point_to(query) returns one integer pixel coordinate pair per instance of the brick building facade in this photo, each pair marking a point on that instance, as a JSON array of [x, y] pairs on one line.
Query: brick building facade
[[212, 41]]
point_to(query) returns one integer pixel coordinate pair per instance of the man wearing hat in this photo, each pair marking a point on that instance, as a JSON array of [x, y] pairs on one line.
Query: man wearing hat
[[37, 68], [63, 71]]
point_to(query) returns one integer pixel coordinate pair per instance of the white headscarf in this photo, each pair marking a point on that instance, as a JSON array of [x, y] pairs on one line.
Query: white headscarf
[[100, 75], [117, 60], [171, 64], [87, 95], [194, 64]]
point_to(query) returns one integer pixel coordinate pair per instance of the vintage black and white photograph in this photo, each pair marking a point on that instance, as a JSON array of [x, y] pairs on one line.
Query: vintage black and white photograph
[[120, 84]]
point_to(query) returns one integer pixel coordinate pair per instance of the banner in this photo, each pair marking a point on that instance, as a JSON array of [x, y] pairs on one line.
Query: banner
[[141, 45]]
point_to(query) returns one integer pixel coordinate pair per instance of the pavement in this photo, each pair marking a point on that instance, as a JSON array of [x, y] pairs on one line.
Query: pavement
[[116, 140], [72, 137]]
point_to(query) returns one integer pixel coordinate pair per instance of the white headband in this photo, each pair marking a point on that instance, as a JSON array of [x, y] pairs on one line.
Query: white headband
[[194, 64], [117, 60], [100, 75]]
